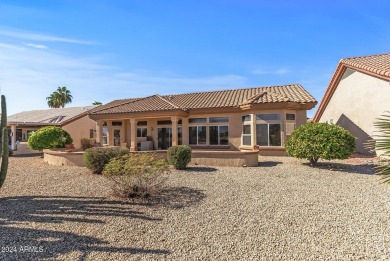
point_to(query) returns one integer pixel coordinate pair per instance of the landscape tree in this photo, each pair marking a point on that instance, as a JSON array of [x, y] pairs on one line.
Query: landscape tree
[[59, 98], [3, 142], [97, 103], [316, 140]]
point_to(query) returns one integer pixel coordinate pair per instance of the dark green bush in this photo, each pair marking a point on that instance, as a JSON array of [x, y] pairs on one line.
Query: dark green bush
[[86, 143], [96, 158], [48, 138], [136, 175], [315, 141], [179, 156]]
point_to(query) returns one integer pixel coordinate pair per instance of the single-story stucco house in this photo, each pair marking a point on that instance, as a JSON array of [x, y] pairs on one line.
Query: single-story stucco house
[[74, 120], [232, 120], [358, 93]]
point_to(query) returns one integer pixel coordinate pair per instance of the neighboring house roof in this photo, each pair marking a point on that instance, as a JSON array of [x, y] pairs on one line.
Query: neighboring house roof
[[374, 65], [206, 100], [57, 116]]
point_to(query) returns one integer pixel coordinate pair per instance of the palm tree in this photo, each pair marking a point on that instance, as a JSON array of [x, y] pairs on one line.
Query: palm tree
[[382, 143], [97, 103], [59, 98], [65, 96], [53, 100]]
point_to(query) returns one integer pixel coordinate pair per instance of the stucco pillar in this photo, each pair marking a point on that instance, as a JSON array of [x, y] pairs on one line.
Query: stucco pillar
[[123, 132], [110, 134], [99, 132], [133, 134], [283, 128], [174, 120], [13, 137], [253, 129], [184, 131]]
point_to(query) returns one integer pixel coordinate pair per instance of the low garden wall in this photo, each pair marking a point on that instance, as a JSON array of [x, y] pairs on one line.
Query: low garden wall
[[60, 157], [225, 158]]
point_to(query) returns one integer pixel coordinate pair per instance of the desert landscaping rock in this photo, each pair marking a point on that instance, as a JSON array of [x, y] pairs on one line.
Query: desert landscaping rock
[[282, 209]]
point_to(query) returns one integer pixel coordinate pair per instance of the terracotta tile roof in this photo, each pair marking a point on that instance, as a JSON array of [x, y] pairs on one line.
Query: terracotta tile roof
[[378, 64], [151, 103], [213, 99], [57, 116]]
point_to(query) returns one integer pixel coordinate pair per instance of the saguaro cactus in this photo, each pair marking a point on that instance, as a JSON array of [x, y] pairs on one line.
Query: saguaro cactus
[[4, 153]]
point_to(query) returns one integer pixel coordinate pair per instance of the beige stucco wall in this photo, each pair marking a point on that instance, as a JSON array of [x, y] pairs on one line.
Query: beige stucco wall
[[80, 128], [357, 101]]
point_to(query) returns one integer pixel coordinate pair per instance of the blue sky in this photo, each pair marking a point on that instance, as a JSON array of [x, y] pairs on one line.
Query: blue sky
[[104, 50]]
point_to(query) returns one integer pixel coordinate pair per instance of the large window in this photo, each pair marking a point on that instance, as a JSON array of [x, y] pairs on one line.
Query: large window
[[219, 135], [209, 131], [246, 135], [197, 135], [105, 131], [142, 132], [179, 135], [268, 134]]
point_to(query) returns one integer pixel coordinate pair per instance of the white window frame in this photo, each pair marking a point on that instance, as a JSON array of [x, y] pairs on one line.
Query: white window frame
[[248, 123], [268, 140]]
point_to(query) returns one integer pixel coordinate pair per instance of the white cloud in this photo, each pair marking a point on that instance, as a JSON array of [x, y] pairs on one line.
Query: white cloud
[[38, 46], [34, 36], [277, 71], [29, 75]]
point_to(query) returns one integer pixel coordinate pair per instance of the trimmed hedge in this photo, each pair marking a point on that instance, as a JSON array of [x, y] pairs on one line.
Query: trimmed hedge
[[179, 156], [315, 141], [96, 158], [49, 138]]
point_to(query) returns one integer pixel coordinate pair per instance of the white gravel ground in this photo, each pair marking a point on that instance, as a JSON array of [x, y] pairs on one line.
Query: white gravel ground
[[281, 210]]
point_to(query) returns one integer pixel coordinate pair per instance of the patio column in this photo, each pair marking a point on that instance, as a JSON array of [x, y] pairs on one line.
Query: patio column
[[253, 129], [123, 134], [99, 132], [13, 137], [174, 120], [184, 133], [133, 134], [110, 135]]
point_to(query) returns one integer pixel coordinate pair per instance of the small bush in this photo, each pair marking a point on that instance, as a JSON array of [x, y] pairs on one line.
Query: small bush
[[96, 158], [48, 138], [315, 141], [136, 175], [179, 156], [86, 143]]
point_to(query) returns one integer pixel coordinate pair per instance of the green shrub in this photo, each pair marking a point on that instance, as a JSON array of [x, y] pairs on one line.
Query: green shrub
[[179, 156], [48, 138], [315, 141], [86, 143], [136, 175], [381, 145], [96, 158]]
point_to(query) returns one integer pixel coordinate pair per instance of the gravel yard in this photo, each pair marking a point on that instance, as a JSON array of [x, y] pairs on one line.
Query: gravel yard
[[280, 210]]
